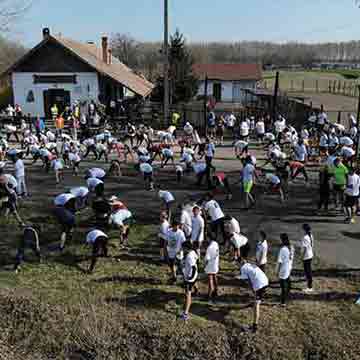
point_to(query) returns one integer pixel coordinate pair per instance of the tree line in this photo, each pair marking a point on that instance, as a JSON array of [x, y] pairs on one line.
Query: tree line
[[147, 56]]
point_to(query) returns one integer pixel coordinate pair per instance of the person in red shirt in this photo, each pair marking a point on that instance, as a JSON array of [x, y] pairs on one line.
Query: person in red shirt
[[297, 168]]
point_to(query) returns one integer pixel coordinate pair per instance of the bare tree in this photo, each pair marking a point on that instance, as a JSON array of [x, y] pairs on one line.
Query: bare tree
[[10, 11]]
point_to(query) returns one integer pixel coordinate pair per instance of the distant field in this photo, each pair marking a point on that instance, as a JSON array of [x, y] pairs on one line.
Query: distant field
[[312, 81]]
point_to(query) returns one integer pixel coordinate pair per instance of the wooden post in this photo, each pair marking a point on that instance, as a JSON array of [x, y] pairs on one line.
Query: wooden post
[[205, 103], [334, 86], [344, 87], [358, 123], [275, 98], [339, 86], [330, 86], [292, 85], [317, 85], [303, 85]]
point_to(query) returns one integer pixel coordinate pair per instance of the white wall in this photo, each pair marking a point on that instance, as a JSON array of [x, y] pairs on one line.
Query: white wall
[[227, 89], [24, 82]]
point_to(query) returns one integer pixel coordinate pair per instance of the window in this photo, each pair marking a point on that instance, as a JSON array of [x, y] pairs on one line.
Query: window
[[30, 98], [55, 79]]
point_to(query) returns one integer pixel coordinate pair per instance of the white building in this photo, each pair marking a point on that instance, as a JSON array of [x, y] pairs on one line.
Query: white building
[[227, 82], [61, 71]]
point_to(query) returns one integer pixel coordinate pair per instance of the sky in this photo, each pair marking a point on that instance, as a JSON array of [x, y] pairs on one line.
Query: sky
[[199, 20]]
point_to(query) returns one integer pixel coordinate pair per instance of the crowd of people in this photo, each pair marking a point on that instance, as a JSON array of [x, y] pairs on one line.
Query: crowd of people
[[192, 235]]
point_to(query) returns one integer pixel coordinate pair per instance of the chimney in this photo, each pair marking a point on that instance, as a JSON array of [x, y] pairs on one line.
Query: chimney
[[110, 57], [105, 46], [46, 33]]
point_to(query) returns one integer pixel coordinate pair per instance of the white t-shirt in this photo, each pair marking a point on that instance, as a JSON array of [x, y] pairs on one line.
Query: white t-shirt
[[164, 228], [179, 168], [185, 221], [285, 260], [93, 235], [279, 125], [199, 168], [248, 172], [300, 152], [240, 145], [198, 227], [324, 140], [273, 179], [187, 158], [255, 275], [74, 157], [214, 210], [269, 136], [238, 240], [212, 258], [120, 216], [260, 127], [174, 240], [347, 152], [97, 173], [167, 153], [101, 147], [62, 199], [92, 183], [190, 261], [80, 191], [233, 226], [244, 129], [345, 140], [230, 120], [167, 196], [57, 164], [10, 180], [146, 168], [307, 244], [89, 142], [261, 252], [19, 168], [353, 185]]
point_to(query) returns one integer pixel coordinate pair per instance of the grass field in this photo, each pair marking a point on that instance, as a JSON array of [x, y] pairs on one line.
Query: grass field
[[312, 80], [127, 310]]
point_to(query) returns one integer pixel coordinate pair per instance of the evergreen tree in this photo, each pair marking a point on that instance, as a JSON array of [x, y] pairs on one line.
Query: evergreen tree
[[183, 83]]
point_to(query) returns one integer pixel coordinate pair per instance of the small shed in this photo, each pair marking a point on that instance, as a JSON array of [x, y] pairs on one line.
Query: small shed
[[228, 82]]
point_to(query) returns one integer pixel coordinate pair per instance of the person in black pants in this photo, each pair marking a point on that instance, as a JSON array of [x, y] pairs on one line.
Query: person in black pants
[[307, 244], [99, 242], [29, 239], [324, 190]]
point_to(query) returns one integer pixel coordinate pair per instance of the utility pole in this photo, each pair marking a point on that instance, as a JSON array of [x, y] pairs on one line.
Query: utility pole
[[166, 62], [276, 90]]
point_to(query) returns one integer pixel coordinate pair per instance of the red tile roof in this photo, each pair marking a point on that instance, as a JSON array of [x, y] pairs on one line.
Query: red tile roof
[[229, 72]]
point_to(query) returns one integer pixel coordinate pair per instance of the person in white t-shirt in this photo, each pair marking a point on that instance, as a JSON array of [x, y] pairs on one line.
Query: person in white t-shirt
[[75, 160], [121, 219], [175, 238], [244, 130], [20, 175], [300, 151], [179, 169], [307, 249], [212, 260], [231, 226], [352, 192], [58, 166], [260, 129], [190, 272], [275, 185], [240, 245], [147, 171], [241, 147], [164, 228], [197, 229], [82, 196], [99, 241], [284, 267], [168, 200], [217, 217], [185, 220], [262, 251], [258, 282]]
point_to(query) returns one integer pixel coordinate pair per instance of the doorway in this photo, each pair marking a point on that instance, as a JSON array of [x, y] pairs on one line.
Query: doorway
[[217, 92], [60, 97]]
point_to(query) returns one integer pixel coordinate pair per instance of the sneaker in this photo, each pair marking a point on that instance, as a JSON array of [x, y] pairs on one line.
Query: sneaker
[[308, 290], [184, 317], [352, 221]]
